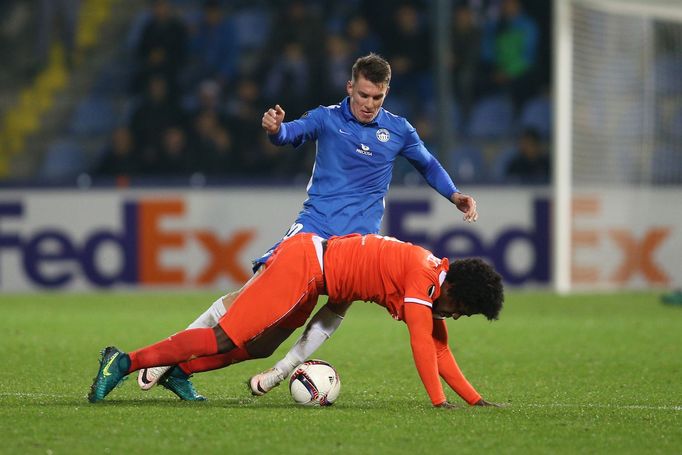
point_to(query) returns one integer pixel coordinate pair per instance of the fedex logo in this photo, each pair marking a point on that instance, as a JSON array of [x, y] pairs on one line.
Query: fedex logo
[[466, 241], [636, 251], [604, 254], [52, 258]]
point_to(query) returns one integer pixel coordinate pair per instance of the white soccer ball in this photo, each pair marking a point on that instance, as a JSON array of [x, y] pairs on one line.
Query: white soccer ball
[[315, 383]]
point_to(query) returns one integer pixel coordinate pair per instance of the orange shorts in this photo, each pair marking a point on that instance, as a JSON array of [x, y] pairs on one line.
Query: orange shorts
[[283, 295]]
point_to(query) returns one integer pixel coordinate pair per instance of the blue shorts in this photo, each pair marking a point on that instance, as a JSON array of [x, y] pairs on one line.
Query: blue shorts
[[295, 228]]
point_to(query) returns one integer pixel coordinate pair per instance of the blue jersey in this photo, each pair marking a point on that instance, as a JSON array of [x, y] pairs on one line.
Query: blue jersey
[[354, 165]]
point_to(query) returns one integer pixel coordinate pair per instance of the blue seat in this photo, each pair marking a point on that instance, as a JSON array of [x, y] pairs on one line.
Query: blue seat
[[64, 159], [250, 18], [137, 25], [93, 115], [675, 125], [455, 120], [537, 114], [666, 166], [112, 80], [467, 164], [501, 162], [491, 118], [667, 70]]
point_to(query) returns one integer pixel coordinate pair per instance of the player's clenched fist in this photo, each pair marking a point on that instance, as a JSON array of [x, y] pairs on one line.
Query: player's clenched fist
[[273, 119]]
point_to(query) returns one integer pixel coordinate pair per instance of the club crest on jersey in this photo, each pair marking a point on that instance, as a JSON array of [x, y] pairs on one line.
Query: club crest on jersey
[[383, 135]]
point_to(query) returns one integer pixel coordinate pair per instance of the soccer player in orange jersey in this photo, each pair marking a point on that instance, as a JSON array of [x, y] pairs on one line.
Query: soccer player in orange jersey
[[412, 284]]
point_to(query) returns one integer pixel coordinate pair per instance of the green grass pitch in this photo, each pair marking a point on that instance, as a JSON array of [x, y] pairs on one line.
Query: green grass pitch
[[587, 373]]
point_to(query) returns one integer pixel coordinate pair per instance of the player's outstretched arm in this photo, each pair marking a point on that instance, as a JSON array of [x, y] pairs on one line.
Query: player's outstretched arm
[[419, 323], [447, 365], [272, 119]]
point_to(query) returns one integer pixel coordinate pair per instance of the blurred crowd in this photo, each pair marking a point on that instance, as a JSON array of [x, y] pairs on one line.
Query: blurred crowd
[[199, 75]]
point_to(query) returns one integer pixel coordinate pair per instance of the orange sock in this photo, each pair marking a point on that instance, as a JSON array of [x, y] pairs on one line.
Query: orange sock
[[175, 349]]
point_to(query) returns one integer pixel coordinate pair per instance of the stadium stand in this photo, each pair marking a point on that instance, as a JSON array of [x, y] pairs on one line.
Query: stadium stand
[[467, 164], [492, 118], [263, 69], [64, 159]]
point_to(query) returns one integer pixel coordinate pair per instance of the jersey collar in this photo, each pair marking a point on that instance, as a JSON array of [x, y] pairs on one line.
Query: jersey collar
[[348, 115]]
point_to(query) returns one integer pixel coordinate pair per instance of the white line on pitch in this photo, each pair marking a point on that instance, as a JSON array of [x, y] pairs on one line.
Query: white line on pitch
[[521, 405], [33, 395], [600, 406]]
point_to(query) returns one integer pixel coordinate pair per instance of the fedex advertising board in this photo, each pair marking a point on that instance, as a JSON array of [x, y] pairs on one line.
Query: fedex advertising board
[[144, 239]]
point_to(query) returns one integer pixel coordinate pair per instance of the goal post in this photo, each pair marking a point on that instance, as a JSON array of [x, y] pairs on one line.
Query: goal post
[[617, 80]]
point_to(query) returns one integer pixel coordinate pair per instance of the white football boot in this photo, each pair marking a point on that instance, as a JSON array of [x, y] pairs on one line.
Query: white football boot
[[262, 383], [149, 377]]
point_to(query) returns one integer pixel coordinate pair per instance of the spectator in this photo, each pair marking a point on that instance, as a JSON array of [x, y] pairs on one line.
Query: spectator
[[339, 59], [530, 164], [301, 28], [362, 39], [509, 51], [155, 114], [175, 157], [209, 99], [243, 122], [466, 42], [304, 25], [408, 48], [119, 158], [162, 48], [214, 51], [290, 79], [377, 13], [223, 160], [213, 146]]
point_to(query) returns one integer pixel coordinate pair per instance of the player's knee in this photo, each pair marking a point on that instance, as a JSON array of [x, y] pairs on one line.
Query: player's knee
[[224, 343]]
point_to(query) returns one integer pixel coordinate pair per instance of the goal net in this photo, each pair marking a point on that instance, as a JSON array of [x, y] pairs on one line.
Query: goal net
[[618, 143]]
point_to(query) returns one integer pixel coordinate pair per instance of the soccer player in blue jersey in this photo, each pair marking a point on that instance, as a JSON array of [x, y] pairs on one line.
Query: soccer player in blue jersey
[[357, 144]]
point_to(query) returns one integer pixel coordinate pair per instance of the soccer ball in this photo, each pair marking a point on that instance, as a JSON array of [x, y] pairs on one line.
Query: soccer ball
[[315, 383]]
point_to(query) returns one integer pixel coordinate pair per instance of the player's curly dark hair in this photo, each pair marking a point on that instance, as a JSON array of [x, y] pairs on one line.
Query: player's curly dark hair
[[477, 286], [372, 67]]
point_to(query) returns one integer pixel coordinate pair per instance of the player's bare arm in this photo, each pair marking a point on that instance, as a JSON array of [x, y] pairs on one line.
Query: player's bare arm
[[272, 119], [467, 205]]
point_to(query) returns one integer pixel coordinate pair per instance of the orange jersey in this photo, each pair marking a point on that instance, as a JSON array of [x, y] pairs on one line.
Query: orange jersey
[[405, 279], [382, 270]]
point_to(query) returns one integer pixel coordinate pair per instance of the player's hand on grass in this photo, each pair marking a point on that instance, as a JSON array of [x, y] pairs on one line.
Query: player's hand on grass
[[467, 205], [272, 119], [482, 402], [446, 405]]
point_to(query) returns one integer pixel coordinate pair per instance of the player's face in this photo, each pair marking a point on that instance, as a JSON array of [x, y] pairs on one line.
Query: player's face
[[366, 98], [446, 307]]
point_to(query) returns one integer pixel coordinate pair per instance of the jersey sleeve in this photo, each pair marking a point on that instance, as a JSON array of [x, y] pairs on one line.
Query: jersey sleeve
[[299, 131], [427, 165], [423, 282], [447, 365], [420, 324]]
